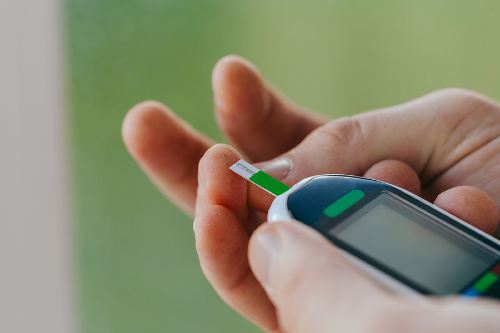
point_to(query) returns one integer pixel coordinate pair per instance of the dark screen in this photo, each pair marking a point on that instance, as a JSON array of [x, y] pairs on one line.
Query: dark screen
[[415, 245]]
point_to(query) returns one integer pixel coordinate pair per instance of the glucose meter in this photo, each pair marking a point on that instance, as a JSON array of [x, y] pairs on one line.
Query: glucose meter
[[402, 241]]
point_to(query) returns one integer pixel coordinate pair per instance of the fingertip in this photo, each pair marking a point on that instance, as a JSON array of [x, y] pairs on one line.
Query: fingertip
[[142, 125], [264, 228], [291, 241], [233, 59], [397, 173], [219, 157], [238, 88], [233, 67], [166, 148], [148, 128], [218, 185], [471, 205], [300, 269], [256, 118]]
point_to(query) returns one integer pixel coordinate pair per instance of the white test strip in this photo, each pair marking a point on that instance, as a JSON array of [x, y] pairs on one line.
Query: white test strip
[[244, 169], [259, 178]]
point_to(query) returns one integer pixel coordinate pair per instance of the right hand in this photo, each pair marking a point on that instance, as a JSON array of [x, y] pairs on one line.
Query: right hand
[[450, 139]]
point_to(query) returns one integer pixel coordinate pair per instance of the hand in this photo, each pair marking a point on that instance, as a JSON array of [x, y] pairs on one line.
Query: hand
[[314, 289], [426, 134]]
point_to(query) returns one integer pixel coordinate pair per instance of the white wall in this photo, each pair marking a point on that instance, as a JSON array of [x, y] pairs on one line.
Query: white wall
[[35, 256]]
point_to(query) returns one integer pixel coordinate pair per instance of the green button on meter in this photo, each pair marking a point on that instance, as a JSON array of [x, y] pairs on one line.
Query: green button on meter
[[343, 203]]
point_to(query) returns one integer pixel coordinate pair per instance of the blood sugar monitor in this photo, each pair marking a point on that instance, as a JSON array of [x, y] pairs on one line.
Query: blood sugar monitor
[[395, 236]]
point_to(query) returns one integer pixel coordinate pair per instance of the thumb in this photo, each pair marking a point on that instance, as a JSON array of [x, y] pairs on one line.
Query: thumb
[[417, 133], [420, 133], [314, 289], [309, 281]]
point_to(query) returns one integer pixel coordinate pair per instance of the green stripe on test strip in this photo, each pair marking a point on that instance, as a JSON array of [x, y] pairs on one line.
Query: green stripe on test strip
[[268, 183]]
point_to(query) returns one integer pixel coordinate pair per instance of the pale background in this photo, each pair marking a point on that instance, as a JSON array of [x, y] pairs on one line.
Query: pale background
[[138, 265], [35, 255]]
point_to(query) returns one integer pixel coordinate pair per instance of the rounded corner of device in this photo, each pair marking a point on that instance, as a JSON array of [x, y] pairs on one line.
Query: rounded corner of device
[[278, 210]]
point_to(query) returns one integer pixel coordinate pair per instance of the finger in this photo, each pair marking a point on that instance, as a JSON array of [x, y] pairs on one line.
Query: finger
[[167, 149], [311, 284], [255, 118], [222, 238], [396, 173], [471, 205]]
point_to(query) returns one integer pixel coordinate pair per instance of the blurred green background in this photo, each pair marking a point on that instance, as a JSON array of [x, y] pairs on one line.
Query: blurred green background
[[138, 270]]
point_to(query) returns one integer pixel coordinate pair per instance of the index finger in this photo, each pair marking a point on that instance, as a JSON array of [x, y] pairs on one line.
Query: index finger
[[167, 149]]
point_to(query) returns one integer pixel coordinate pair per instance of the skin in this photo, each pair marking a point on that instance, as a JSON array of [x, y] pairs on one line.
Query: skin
[[444, 146]]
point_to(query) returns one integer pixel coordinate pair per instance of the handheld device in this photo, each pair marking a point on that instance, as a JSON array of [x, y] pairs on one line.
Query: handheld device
[[404, 242]]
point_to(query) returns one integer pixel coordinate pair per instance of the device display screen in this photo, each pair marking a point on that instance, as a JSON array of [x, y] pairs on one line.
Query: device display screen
[[415, 245]]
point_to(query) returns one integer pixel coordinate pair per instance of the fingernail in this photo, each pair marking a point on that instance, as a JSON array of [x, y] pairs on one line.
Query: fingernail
[[265, 250], [279, 168]]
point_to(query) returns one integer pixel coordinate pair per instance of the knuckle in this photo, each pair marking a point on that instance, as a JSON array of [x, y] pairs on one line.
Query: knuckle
[[466, 100], [456, 106], [342, 132], [456, 93]]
